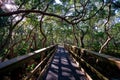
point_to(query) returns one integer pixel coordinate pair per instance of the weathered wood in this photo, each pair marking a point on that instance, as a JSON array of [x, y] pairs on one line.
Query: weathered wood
[[19, 61], [39, 65], [46, 67], [102, 77], [91, 59], [114, 60]]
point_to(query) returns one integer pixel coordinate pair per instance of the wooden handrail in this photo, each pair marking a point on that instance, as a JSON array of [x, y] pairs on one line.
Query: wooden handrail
[[82, 61], [83, 56], [18, 61], [38, 66], [112, 59]]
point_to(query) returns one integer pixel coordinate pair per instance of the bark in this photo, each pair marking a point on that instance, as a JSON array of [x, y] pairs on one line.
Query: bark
[[82, 38], [30, 45], [35, 41], [83, 33], [75, 37], [81, 41], [107, 29], [44, 39], [105, 44]]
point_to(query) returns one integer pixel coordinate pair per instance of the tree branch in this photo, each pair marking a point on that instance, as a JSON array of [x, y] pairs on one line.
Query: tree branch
[[34, 11], [107, 29]]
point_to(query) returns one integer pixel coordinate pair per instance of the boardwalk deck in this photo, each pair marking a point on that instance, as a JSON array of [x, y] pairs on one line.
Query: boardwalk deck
[[63, 67]]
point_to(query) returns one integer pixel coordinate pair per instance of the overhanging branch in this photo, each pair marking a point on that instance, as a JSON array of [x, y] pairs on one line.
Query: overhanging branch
[[34, 11]]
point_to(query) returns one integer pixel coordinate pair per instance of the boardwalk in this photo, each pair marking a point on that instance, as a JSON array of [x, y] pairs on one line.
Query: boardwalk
[[63, 67]]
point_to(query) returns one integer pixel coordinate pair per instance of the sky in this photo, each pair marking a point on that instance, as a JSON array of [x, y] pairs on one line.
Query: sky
[[8, 6], [58, 1]]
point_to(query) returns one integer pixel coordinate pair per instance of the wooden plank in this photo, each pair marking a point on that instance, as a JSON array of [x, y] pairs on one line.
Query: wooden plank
[[102, 77], [112, 59], [38, 66], [19, 61]]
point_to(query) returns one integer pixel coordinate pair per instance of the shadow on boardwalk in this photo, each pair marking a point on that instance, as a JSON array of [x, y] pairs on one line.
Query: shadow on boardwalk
[[63, 67]]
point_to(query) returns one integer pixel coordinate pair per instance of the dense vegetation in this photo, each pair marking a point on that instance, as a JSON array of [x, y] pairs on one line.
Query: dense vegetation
[[27, 25]]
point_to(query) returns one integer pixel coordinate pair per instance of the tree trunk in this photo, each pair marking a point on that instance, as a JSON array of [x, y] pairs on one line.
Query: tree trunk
[[35, 41], [107, 29], [82, 38], [6, 41], [75, 37], [30, 45], [81, 41], [44, 39], [105, 44]]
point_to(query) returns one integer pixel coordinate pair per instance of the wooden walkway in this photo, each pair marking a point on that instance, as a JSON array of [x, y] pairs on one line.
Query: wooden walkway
[[63, 67]]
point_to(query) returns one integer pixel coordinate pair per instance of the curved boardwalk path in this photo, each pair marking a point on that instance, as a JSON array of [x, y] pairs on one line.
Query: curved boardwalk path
[[63, 67]]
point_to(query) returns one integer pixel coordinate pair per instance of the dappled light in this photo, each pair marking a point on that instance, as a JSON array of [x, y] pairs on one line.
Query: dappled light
[[59, 39], [63, 67], [99, 64]]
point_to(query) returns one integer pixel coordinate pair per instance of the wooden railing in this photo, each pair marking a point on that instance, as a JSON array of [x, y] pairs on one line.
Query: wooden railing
[[98, 66], [28, 66]]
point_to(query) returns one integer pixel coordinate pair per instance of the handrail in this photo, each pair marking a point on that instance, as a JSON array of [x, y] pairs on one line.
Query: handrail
[[9, 65], [114, 60], [37, 67], [83, 56], [82, 61]]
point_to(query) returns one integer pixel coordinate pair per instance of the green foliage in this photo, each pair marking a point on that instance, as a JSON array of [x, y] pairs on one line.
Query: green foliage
[[30, 67], [3, 20], [57, 30], [99, 34], [22, 48], [102, 13]]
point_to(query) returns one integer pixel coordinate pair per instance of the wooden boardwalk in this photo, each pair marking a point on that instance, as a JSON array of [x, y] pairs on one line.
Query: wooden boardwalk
[[63, 67]]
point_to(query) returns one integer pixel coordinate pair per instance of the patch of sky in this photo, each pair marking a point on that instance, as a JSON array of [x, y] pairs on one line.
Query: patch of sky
[[58, 2], [117, 20], [8, 6]]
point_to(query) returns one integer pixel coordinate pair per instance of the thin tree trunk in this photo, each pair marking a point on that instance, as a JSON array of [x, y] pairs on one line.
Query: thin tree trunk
[[82, 38], [81, 41], [105, 44], [106, 30], [75, 37], [44, 39], [35, 41], [29, 49]]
